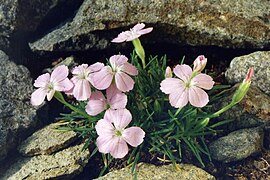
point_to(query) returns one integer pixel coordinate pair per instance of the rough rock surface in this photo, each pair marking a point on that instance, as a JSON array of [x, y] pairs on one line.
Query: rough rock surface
[[18, 118], [243, 23], [252, 111], [259, 61], [47, 141], [61, 165], [237, 145], [148, 171]]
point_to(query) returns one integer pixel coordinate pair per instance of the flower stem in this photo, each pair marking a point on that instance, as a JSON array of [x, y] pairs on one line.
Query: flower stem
[[58, 95], [225, 108], [139, 50]]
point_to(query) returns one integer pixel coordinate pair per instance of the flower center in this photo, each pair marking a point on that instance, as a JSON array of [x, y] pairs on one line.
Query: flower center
[[50, 86], [118, 132]]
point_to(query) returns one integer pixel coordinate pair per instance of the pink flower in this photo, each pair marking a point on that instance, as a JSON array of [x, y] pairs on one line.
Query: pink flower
[[199, 63], [47, 85], [134, 33], [97, 102], [186, 88], [119, 71], [81, 80], [112, 135]]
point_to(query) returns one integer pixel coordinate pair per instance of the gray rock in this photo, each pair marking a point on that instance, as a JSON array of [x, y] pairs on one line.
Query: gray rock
[[252, 111], [18, 118], [243, 23], [47, 141], [237, 145], [259, 61], [61, 165], [148, 171]]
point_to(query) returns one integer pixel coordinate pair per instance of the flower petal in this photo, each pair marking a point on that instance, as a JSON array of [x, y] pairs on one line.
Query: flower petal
[[203, 81], [42, 80], [119, 148], [104, 144], [116, 99], [59, 74], [183, 71], [138, 27], [179, 98], [133, 136], [96, 67], [145, 31], [79, 69], [123, 82], [104, 128], [169, 85], [122, 37], [38, 96], [117, 60], [50, 94], [129, 69], [198, 97], [82, 90], [64, 85], [102, 79], [96, 104], [121, 118]]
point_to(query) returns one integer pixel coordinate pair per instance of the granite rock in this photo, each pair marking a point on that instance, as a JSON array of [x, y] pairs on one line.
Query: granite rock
[[148, 171], [237, 145], [61, 165], [18, 118], [260, 61], [240, 24], [46, 141]]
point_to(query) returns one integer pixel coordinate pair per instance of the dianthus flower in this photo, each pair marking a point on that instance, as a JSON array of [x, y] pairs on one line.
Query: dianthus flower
[[81, 80], [113, 135], [134, 33], [118, 72], [47, 85], [98, 103], [187, 87]]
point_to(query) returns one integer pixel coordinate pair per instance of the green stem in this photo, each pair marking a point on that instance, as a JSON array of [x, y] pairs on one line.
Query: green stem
[[177, 112], [225, 108], [139, 50], [58, 95]]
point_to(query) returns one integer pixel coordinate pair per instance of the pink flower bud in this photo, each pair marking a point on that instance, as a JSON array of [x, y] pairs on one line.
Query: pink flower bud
[[249, 75], [168, 72], [199, 63]]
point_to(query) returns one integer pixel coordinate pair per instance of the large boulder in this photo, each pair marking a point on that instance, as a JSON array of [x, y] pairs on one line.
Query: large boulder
[[18, 118], [241, 24]]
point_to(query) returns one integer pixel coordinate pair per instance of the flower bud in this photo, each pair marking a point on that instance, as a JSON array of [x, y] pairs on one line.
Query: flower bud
[[168, 72], [243, 87], [199, 63]]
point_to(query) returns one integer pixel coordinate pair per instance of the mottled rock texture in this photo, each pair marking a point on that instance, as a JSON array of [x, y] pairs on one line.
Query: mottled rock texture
[[18, 118], [237, 145], [61, 165], [46, 141], [237, 23], [260, 61], [148, 171]]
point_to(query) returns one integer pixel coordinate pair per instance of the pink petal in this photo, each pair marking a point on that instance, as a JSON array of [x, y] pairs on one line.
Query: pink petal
[[38, 96], [102, 79], [123, 82], [96, 104], [129, 69], [104, 143], [104, 128], [179, 98], [121, 118], [116, 99], [118, 60], [109, 115], [138, 27], [60, 73], [169, 85], [96, 67], [119, 148], [133, 136], [198, 97], [183, 71], [82, 90], [145, 31], [42, 80], [122, 37], [64, 85], [50, 94], [79, 69], [203, 81], [131, 37]]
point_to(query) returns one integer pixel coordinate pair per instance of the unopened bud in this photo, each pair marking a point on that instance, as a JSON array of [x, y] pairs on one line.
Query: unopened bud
[[243, 87], [168, 72], [199, 63]]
